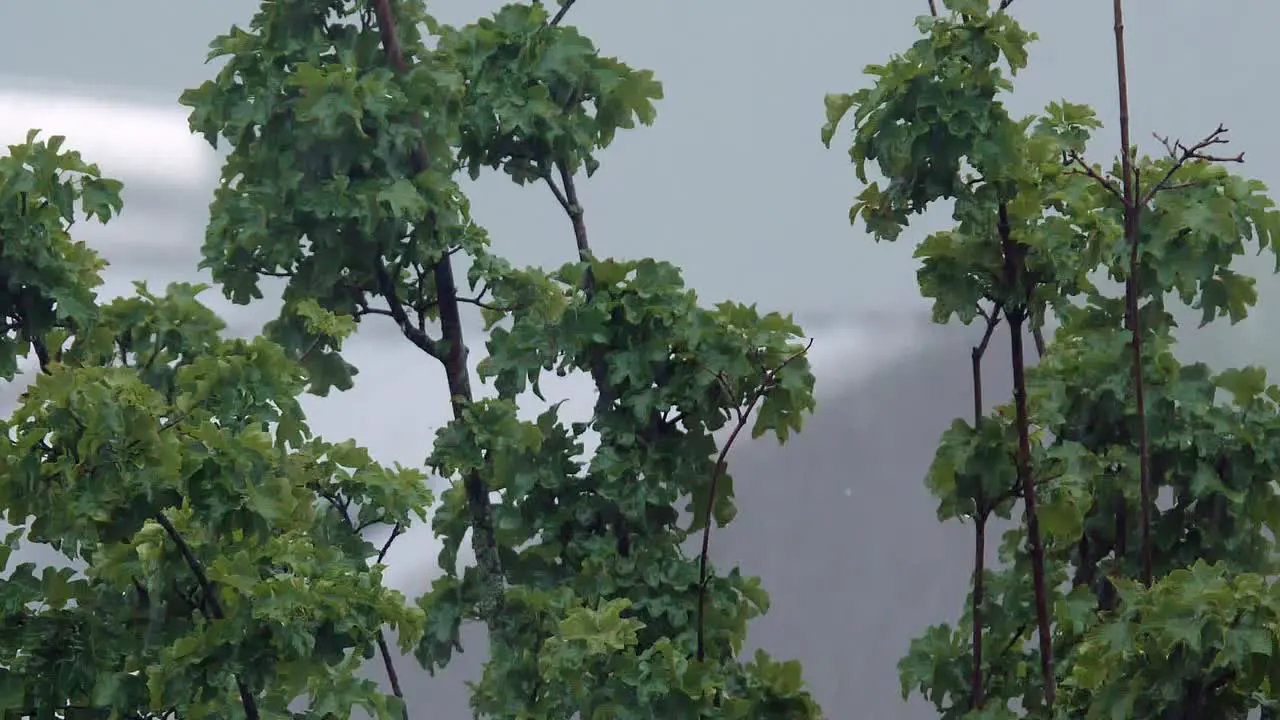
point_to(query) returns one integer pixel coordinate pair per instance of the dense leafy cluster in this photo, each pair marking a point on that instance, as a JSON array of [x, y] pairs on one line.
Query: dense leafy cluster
[[216, 560], [213, 552], [1038, 231]]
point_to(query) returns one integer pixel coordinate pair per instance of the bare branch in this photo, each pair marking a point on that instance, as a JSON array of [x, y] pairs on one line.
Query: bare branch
[[1182, 155]]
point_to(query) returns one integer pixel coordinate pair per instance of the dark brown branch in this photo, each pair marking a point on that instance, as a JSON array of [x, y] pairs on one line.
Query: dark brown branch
[[743, 416], [387, 286], [1132, 217], [373, 311], [574, 210], [933, 8], [564, 10], [1088, 170], [981, 514], [1182, 154], [342, 505], [396, 531], [1013, 640], [390, 666], [1014, 268], [560, 198], [210, 603], [453, 356], [488, 306]]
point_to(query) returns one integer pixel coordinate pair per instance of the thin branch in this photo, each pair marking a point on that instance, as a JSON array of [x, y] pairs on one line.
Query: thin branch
[[396, 531], [560, 198], [1086, 169], [342, 505], [373, 311], [386, 285], [211, 602], [574, 210], [390, 667], [1037, 335], [453, 356], [982, 511], [1182, 154], [1132, 219], [489, 306], [933, 8], [1022, 630], [422, 306], [564, 10], [717, 471], [1014, 269]]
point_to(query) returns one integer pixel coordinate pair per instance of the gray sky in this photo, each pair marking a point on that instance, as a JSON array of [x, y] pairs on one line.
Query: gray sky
[[733, 184]]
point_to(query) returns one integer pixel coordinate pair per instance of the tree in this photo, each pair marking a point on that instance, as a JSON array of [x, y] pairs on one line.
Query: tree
[[1138, 608], [217, 560]]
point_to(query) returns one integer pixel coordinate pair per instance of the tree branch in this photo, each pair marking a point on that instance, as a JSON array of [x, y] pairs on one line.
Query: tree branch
[[1014, 269], [453, 356], [1182, 154], [387, 662], [1132, 225], [564, 10], [211, 602], [703, 557], [1086, 169], [982, 512], [386, 285]]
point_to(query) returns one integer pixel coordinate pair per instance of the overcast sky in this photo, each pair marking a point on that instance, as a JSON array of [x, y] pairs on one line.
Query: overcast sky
[[732, 183]]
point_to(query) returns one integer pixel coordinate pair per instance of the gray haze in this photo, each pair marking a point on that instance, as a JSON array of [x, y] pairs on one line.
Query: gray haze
[[732, 184]]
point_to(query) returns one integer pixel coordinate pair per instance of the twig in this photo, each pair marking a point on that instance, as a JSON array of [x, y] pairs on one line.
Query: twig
[[397, 312], [1182, 154], [211, 602], [341, 505], [396, 531], [574, 209], [564, 10], [1074, 158], [743, 416], [560, 198], [982, 511]]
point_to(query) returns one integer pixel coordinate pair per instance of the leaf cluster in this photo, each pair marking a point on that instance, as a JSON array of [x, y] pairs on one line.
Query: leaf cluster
[[1037, 228]]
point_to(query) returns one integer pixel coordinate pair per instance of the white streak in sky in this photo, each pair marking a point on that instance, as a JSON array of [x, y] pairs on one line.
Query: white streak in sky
[[129, 140]]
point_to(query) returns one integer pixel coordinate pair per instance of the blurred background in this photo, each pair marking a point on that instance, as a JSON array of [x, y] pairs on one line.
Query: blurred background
[[733, 184]]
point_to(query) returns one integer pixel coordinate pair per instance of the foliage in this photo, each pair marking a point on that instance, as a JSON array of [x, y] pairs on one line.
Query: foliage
[[216, 564], [1141, 609]]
